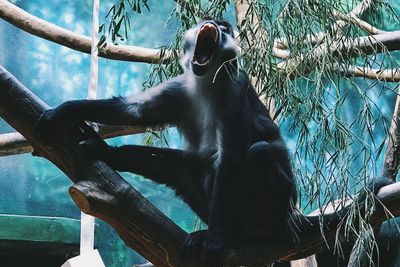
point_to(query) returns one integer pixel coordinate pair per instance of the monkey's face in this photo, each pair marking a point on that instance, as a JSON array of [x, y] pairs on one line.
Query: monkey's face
[[207, 46]]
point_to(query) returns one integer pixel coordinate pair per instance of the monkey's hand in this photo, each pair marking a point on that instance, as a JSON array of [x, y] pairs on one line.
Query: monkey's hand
[[52, 126], [205, 247]]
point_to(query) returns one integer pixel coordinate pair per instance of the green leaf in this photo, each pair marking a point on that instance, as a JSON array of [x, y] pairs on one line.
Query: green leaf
[[101, 28]]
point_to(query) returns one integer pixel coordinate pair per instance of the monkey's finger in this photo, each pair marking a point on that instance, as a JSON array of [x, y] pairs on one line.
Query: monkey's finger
[[88, 130]]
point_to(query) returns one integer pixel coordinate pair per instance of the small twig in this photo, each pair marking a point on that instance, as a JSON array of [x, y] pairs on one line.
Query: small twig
[[311, 38], [387, 75], [351, 18]]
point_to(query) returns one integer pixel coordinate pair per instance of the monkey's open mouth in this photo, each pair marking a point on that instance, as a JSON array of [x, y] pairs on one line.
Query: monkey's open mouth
[[206, 44]]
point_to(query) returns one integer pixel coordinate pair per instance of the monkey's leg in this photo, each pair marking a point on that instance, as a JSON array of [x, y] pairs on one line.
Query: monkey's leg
[[171, 167], [267, 191]]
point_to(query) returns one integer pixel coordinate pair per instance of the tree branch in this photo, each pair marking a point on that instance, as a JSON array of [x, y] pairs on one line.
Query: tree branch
[[357, 12], [316, 38], [387, 75], [342, 45], [362, 7], [15, 143], [352, 18], [41, 28], [346, 47], [312, 38]]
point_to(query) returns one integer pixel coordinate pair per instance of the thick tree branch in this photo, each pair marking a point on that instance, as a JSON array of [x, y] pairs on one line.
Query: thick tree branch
[[15, 143], [41, 28]]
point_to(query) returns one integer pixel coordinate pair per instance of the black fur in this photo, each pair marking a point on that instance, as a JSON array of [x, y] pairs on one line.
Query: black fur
[[235, 172]]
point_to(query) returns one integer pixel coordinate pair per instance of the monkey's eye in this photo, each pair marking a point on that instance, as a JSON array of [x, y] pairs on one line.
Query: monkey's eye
[[224, 29]]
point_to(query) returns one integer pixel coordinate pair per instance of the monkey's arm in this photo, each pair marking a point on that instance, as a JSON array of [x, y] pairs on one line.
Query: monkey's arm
[[162, 104]]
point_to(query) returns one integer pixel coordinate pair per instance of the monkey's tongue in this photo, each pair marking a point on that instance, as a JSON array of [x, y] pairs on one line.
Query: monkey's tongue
[[206, 43]]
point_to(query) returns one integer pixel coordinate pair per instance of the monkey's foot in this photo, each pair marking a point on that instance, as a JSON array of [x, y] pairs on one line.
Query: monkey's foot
[[97, 148], [204, 247]]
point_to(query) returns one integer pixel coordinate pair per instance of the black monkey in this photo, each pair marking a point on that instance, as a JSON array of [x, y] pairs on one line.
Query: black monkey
[[235, 171]]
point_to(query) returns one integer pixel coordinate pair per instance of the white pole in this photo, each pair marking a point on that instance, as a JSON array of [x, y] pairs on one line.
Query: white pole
[[87, 221]]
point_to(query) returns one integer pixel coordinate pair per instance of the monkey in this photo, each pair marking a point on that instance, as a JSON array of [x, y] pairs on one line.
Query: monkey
[[235, 171]]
